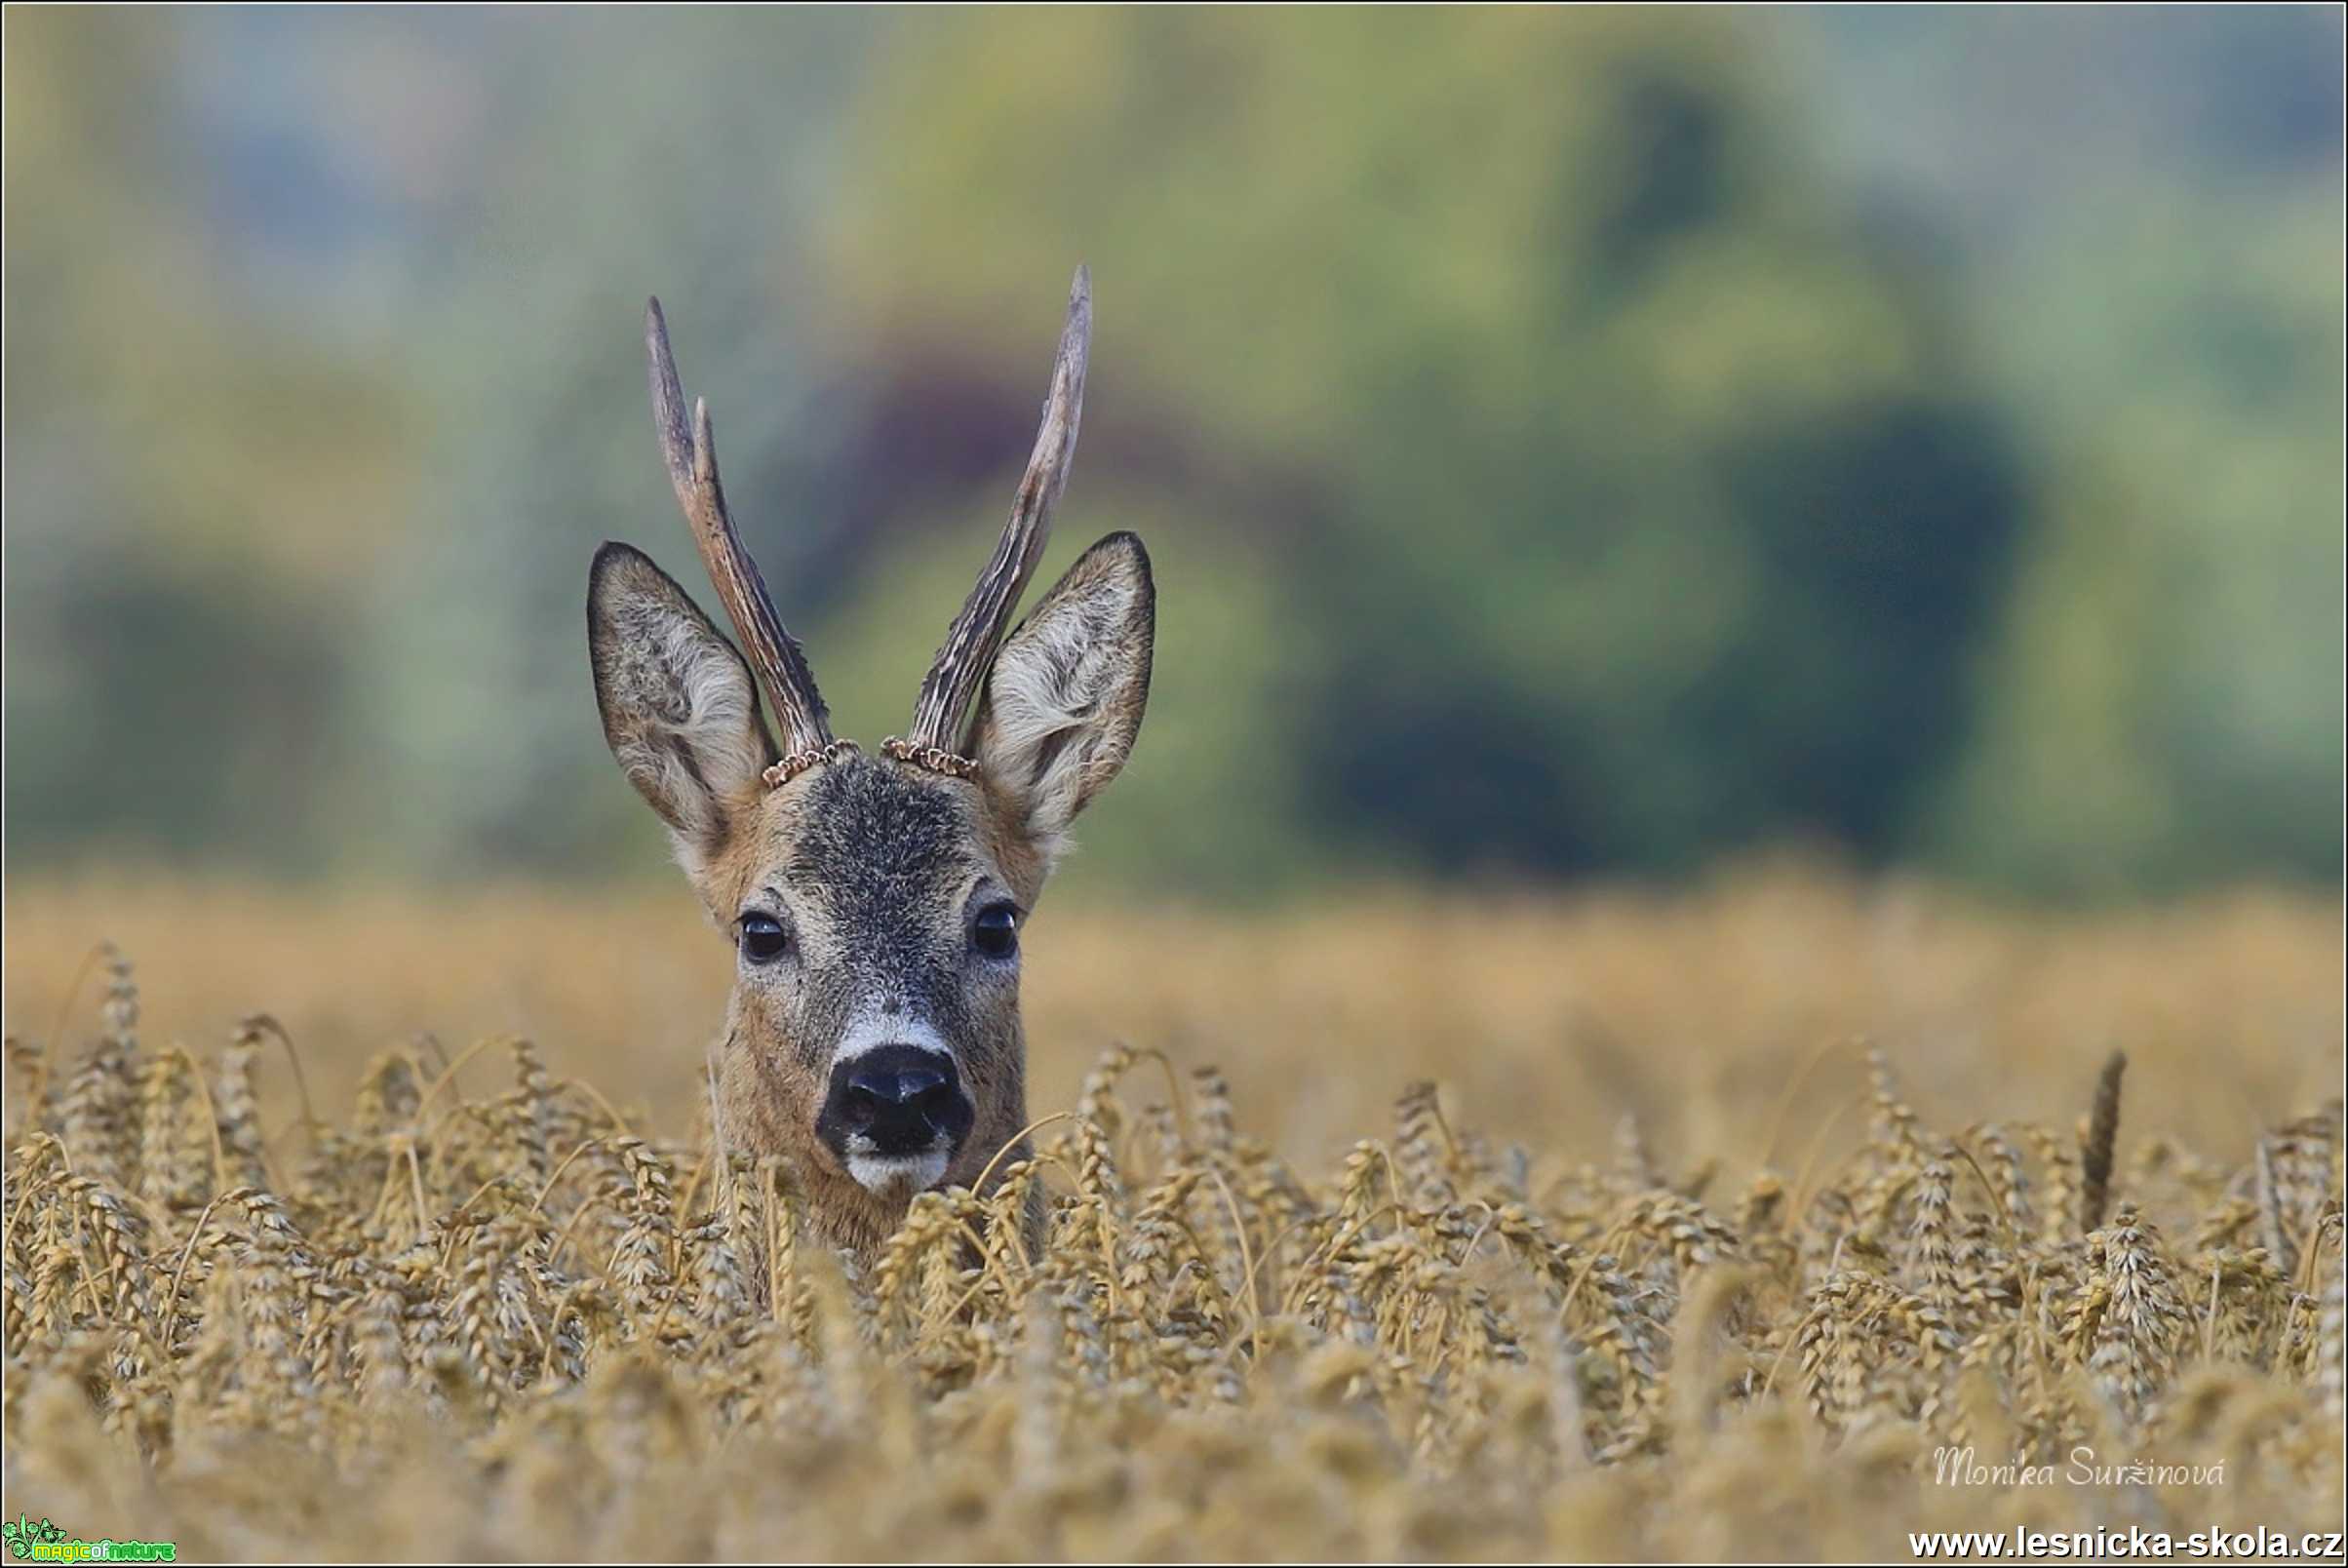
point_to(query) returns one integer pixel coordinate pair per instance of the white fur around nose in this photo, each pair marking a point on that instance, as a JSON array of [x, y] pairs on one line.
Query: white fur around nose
[[885, 1174], [871, 1028]]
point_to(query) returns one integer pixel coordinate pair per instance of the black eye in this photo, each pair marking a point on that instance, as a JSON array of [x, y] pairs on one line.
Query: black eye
[[764, 938], [995, 931]]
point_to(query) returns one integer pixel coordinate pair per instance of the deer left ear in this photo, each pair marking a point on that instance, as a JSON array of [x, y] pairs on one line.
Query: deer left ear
[[681, 711], [1064, 700]]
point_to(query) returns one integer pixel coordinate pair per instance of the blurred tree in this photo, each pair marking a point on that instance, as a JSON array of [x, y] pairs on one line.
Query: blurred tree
[[1568, 438], [2168, 681], [676, 151], [2143, 213], [1631, 507], [177, 674]]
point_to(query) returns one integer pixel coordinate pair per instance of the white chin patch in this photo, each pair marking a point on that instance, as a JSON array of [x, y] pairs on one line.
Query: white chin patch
[[889, 1175]]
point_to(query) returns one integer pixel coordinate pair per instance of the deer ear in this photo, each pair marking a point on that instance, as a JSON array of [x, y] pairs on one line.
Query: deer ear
[[681, 711], [1064, 700]]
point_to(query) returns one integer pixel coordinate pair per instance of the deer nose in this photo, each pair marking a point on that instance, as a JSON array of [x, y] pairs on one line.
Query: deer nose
[[894, 1100], [875, 1092]]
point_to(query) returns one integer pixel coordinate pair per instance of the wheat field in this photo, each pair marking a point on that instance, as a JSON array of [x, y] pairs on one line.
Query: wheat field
[[1707, 1223]]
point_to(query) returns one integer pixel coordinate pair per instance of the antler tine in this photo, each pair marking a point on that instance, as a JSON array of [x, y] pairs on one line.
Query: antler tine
[[691, 455], [961, 663]]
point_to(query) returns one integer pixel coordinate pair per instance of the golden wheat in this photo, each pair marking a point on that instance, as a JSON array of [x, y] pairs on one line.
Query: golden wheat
[[526, 1325]]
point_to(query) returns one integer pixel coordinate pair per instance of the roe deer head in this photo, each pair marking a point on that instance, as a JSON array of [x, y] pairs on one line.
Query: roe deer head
[[875, 902]]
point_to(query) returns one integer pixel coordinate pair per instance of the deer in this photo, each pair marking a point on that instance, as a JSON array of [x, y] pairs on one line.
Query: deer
[[874, 901]]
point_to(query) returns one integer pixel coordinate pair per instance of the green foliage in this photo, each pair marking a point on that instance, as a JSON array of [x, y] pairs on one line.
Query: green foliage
[[1637, 510], [1567, 440], [2167, 688]]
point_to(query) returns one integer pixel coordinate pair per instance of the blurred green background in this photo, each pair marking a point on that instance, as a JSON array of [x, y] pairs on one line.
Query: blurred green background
[[1569, 442]]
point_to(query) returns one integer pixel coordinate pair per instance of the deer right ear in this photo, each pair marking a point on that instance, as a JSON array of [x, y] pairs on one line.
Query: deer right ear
[[1064, 700], [681, 711]]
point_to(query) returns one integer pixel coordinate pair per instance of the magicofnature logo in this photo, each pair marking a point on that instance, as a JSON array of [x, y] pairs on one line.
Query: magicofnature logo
[[41, 1541]]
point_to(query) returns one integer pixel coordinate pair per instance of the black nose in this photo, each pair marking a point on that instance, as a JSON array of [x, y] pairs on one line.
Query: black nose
[[878, 1091], [895, 1100]]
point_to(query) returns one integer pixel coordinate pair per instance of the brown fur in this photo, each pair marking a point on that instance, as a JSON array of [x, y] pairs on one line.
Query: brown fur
[[777, 1050], [871, 864]]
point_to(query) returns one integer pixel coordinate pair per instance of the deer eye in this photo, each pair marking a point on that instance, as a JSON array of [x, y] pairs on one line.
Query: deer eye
[[995, 931], [764, 938]]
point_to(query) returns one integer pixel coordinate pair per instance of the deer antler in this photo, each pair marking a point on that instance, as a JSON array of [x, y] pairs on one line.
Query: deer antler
[[961, 663], [774, 655]]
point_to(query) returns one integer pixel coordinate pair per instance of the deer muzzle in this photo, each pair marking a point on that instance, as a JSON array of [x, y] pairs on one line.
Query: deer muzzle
[[895, 1116]]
